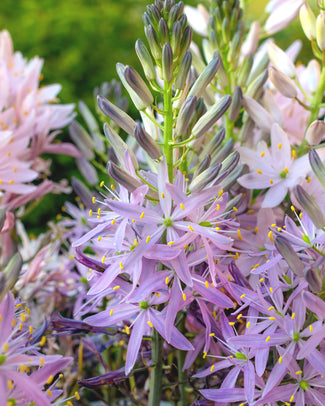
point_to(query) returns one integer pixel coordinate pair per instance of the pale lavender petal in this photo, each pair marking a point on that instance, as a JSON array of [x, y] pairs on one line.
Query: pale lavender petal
[[120, 312], [309, 345], [275, 195], [224, 394], [182, 269], [249, 381], [282, 393], [135, 340], [217, 367], [314, 303], [7, 315]]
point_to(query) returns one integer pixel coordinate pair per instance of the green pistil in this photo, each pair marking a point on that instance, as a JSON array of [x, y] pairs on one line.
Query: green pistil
[[2, 359], [304, 385], [205, 224], [143, 305], [295, 337], [283, 174], [239, 355], [168, 222], [306, 238]]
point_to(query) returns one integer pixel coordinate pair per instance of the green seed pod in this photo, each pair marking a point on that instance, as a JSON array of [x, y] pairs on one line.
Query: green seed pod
[[167, 63]]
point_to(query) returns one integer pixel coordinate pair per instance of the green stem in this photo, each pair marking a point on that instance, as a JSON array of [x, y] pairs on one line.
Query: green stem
[[318, 97], [168, 129], [182, 376], [156, 370]]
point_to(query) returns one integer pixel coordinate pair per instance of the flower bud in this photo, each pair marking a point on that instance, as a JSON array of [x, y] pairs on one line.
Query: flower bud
[[308, 21], [212, 146], [317, 166], [244, 70], [176, 38], [211, 116], [250, 45], [87, 170], [223, 80], [236, 104], [119, 146], [145, 59], [316, 132], [234, 49], [321, 4], [256, 86], [281, 60], [183, 71], [230, 162], [153, 42], [222, 153], [205, 78], [163, 31], [167, 63], [82, 140], [185, 115], [154, 14], [258, 114], [135, 85], [320, 31], [282, 83], [122, 119], [146, 19], [203, 165], [92, 125], [313, 279], [146, 142], [122, 177], [205, 179], [310, 206], [185, 41], [83, 192], [289, 254], [10, 274]]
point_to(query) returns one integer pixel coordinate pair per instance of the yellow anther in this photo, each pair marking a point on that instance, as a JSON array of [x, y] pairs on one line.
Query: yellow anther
[[21, 368], [279, 229], [270, 236], [112, 187], [292, 208], [142, 215], [271, 181], [262, 154], [300, 215], [93, 199], [212, 368], [121, 265], [148, 239], [5, 347], [262, 280], [292, 398], [271, 290], [286, 170], [101, 183], [103, 259], [235, 209], [248, 324], [113, 222], [111, 312], [42, 361], [272, 318], [298, 372], [239, 316], [308, 179], [271, 308], [191, 228], [256, 229], [13, 322], [184, 297], [162, 195], [43, 341], [49, 393], [268, 338], [116, 287], [259, 171], [77, 395], [30, 328], [211, 335], [206, 284], [204, 354], [243, 295], [182, 206], [50, 379], [23, 317], [239, 234], [90, 213], [220, 193], [167, 280], [157, 294], [171, 243], [310, 328], [99, 238], [11, 182], [10, 384], [127, 329], [294, 154], [135, 242], [280, 145], [280, 360], [150, 324], [218, 207], [231, 323], [293, 315]]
